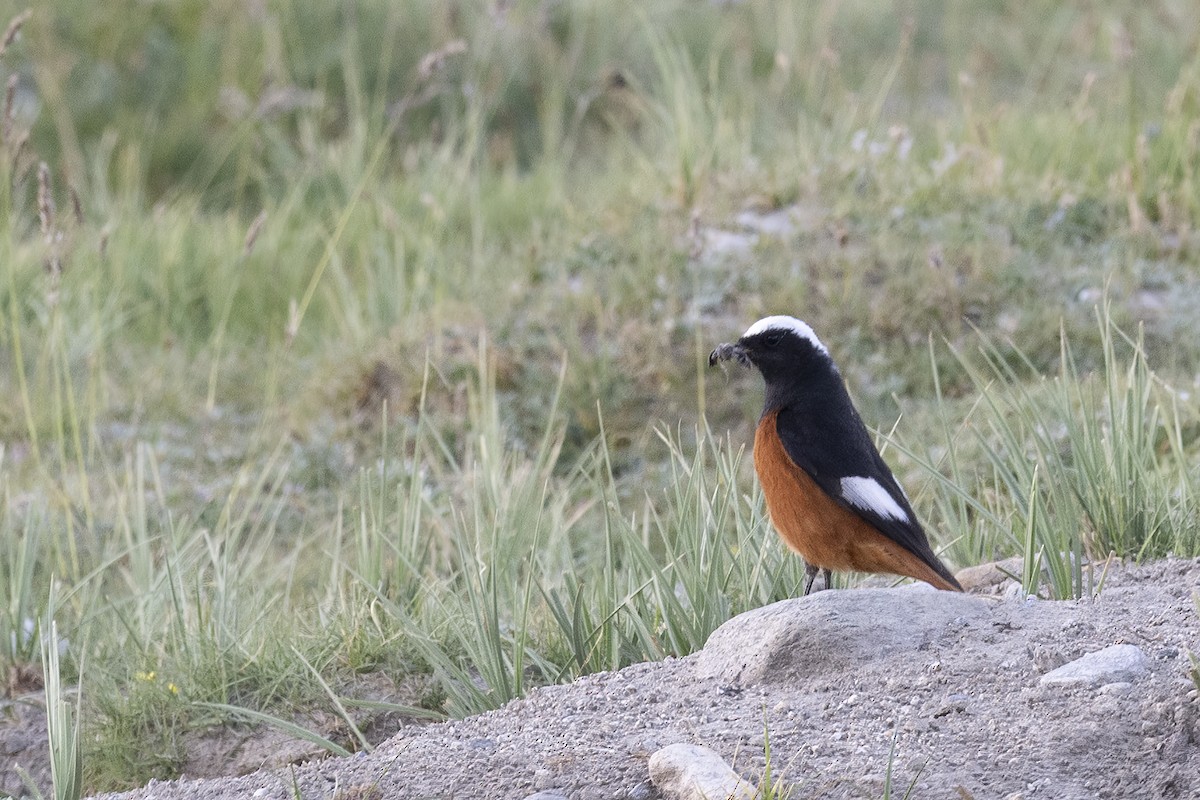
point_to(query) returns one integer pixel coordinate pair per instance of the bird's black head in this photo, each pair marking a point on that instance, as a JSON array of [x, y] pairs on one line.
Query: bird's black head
[[784, 349]]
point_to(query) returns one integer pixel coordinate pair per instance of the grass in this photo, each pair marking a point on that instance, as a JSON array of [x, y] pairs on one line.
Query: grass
[[771, 785], [888, 789], [370, 338], [1067, 469], [63, 722]]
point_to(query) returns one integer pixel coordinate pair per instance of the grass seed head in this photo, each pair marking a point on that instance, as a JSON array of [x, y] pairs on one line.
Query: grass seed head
[[45, 201], [52, 236]]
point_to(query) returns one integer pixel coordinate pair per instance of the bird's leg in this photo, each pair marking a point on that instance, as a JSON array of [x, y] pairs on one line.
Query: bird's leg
[[828, 575], [810, 570]]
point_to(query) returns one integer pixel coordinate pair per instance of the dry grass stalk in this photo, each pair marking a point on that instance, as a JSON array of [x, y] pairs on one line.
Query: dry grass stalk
[[76, 205], [45, 201], [14, 27], [293, 323], [18, 151], [252, 233], [10, 96], [434, 61]]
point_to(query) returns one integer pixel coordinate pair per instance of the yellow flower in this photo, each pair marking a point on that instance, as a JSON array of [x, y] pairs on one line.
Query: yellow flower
[[173, 688], [144, 676]]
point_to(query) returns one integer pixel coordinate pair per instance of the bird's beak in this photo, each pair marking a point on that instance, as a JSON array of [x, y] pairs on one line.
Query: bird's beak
[[729, 352]]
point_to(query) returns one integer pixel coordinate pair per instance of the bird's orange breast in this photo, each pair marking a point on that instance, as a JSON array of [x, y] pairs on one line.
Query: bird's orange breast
[[812, 523]]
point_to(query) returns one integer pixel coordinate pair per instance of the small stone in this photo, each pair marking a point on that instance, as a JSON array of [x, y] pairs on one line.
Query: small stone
[[694, 772], [989, 575], [549, 794], [954, 703], [1119, 689], [1119, 663]]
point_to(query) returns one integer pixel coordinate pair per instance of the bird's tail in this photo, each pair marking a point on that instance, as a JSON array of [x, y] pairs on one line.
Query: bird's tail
[[919, 563], [941, 576]]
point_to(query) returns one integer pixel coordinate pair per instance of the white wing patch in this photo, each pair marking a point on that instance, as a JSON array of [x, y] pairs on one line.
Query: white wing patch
[[785, 323], [867, 494]]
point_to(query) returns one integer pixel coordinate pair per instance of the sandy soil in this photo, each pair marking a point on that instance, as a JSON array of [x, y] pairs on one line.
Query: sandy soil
[[951, 683]]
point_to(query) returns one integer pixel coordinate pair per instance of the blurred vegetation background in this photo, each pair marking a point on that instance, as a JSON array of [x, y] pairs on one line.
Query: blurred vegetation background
[[549, 172], [424, 291]]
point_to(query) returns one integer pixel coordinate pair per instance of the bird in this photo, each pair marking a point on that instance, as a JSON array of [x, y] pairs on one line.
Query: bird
[[829, 493]]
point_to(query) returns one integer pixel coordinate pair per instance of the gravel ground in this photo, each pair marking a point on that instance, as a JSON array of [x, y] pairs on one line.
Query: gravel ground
[[947, 688]]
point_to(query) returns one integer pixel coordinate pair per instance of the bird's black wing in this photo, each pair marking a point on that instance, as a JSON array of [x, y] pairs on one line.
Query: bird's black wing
[[831, 447]]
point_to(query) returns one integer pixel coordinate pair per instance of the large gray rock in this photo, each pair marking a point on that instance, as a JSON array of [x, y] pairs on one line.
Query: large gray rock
[[1120, 663], [693, 772], [832, 630]]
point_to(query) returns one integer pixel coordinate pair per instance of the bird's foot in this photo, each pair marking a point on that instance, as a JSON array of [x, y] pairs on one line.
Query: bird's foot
[[810, 571]]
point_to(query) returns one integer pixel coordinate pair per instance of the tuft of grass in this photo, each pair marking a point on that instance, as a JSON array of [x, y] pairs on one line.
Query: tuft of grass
[[771, 786], [1066, 470], [62, 720], [888, 788], [522, 600], [20, 573]]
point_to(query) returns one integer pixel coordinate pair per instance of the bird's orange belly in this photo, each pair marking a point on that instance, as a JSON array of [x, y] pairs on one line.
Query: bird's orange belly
[[826, 534]]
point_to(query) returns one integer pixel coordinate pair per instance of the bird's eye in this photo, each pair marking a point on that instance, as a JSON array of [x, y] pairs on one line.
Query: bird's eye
[[773, 339]]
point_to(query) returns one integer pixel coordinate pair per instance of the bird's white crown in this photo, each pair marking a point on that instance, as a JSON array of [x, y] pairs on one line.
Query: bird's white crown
[[785, 323]]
